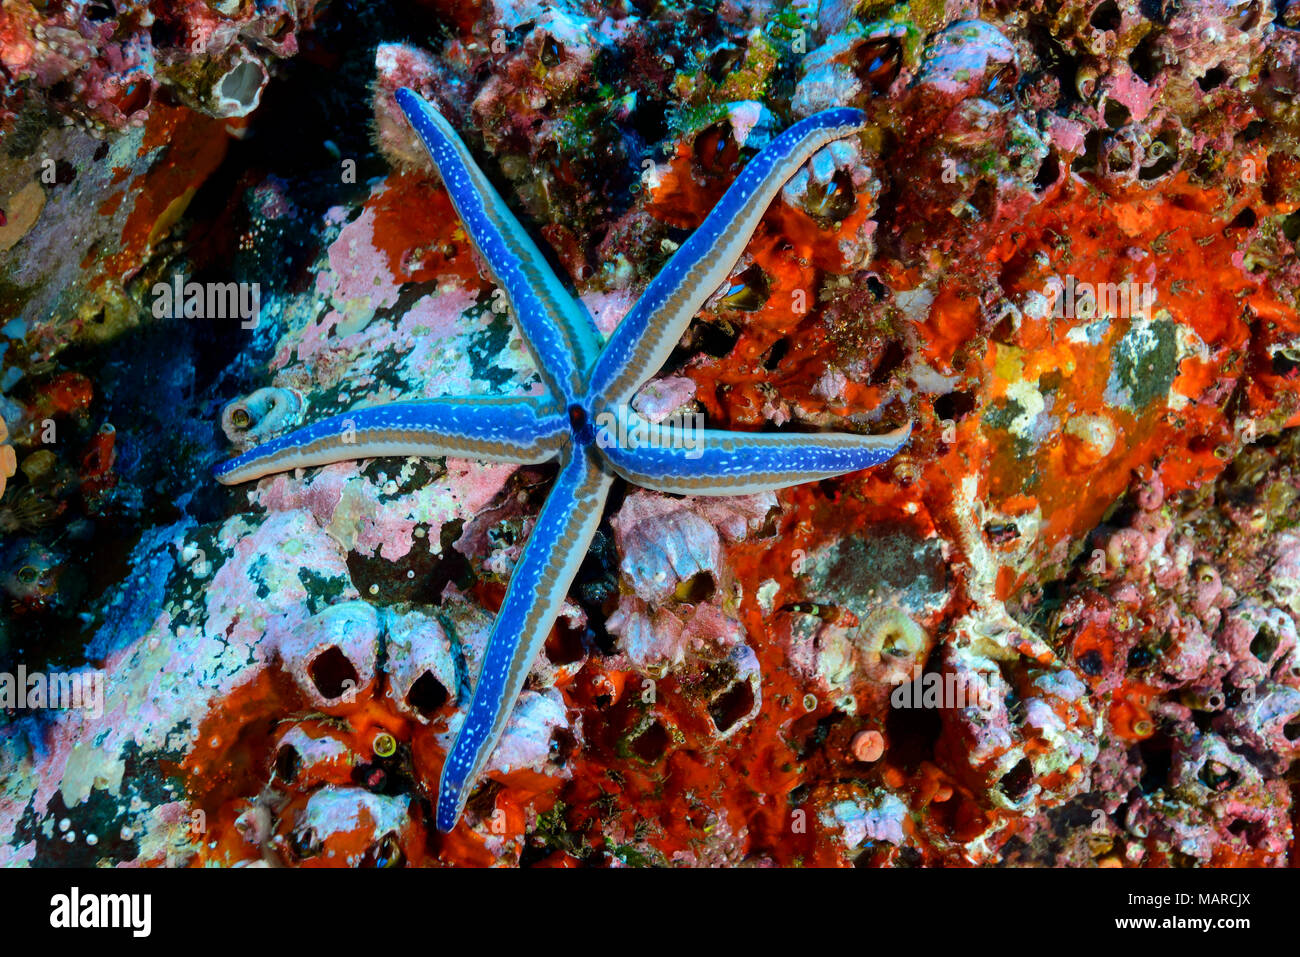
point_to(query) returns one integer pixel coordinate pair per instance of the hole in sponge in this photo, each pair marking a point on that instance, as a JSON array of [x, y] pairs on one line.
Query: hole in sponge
[[332, 673], [287, 764], [1015, 783], [732, 705], [651, 743], [427, 695], [1106, 16], [1264, 645], [243, 85]]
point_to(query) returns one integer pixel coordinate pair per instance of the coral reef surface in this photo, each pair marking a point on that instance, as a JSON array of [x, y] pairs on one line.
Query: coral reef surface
[[1058, 628]]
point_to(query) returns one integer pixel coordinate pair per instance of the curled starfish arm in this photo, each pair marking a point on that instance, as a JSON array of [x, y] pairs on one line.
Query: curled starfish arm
[[651, 329], [706, 462], [497, 428], [560, 333], [540, 580]]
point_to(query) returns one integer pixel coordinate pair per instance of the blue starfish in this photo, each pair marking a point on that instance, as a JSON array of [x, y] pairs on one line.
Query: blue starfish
[[590, 390]]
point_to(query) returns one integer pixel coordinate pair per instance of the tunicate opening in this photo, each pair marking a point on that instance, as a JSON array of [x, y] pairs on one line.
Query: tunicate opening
[[1217, 776], [1145, 60], [1157, 763], [1212, 78], [954, 406], [913, 733], [163, 33], [386, 852], [724, 61], [1106, 16], [891, 358], [565, 645], [242, 85], [552, 52], [1291, 730], [1140, 656], [1248, 16], [305, 843], [1164, 151], [135, 97], [1120, 158], [648, 119], [834, 201], [561, 745], [332, 673], [1291, 226], [984, 198], [1264, 645], [650, 744], [780, 349], [732, 705], [749, 291], [1091, 150], [1248, 831], [427, 695], [1246, 219], [1015, 783], [879, 62], [715, 339], [1251, 131], [696, 590], [716, 151], [1053, 56], [1049, 171], [287, 763], [1116, 114]]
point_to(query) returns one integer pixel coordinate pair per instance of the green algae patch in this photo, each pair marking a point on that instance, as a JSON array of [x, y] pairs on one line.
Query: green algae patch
[[1144, 364]]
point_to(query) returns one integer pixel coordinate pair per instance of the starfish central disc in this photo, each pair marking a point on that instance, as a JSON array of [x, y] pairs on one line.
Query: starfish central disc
[[581, 424]]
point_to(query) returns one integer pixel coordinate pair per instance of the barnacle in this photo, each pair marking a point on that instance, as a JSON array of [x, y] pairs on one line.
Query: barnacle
[[893, 645], [261, 415]]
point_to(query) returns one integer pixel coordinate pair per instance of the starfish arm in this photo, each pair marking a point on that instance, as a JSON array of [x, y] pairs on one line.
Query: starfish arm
[[560, 333], [538, 585], [495, 428], [710, 462], [651, 329]]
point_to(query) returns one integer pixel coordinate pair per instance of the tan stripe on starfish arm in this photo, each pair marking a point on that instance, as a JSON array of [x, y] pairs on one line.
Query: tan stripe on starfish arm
[[494, 428], [538, 585], [705, 462], [652, 328], [563, 339]]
